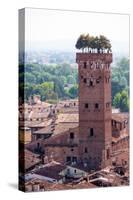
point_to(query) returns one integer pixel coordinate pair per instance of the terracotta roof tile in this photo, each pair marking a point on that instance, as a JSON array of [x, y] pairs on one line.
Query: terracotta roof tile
[[28, 159], [68, 118], [51, 170], [120, 116]]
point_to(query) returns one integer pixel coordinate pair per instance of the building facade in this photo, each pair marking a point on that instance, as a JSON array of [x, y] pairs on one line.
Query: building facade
[[95, 112]]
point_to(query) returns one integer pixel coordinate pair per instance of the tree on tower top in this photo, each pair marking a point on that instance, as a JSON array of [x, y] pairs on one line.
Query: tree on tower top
[[93, 44]]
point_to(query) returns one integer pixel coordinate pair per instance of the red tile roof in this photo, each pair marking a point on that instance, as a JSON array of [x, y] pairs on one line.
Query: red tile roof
[[51, 170], [28, 159]]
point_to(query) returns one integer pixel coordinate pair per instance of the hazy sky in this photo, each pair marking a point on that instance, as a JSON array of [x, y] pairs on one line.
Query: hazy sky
[[46, 26]]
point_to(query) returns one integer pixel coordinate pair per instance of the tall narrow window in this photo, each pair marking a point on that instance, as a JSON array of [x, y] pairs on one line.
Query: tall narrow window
[[85, 81], [91, 132], [38, 145], [108, 154], [71, 135], [85, 65], [91, 83], [86, 150], [96, 105]]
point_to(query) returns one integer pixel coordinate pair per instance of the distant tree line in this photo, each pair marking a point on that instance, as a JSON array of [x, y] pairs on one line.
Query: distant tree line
[[49, 81], [53, 82], [93, 44], [120, 85]]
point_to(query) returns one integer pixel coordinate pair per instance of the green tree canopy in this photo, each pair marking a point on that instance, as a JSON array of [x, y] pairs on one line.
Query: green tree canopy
[[99, 43], [73, 91], [121, 101]]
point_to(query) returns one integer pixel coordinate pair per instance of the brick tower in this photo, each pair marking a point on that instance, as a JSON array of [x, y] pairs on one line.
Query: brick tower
[[94, 109]]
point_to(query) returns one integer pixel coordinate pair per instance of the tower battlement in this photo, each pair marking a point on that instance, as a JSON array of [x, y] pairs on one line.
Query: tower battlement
[[104, 57]]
